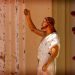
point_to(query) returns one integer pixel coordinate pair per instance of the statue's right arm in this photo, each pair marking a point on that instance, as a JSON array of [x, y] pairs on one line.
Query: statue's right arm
[[31, 25]]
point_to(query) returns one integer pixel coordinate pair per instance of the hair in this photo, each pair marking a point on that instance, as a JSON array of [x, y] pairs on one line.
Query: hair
[[50, 20]]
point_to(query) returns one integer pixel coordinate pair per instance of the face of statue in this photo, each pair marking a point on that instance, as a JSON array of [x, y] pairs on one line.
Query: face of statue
[[45, 25]]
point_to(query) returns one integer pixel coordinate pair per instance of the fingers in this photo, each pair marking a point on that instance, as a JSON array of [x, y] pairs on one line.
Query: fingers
[[26, 12]]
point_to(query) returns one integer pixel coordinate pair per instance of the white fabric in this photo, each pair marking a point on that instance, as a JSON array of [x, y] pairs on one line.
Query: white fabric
[[47, 43]]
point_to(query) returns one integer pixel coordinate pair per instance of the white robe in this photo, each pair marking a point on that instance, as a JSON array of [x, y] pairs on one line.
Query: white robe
[[46, 44]]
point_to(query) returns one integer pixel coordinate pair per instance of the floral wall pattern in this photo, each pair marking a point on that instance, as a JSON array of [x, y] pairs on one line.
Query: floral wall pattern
[[12, 37]]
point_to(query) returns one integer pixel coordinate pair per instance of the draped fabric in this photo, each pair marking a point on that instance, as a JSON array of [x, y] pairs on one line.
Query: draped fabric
[[12, 37]]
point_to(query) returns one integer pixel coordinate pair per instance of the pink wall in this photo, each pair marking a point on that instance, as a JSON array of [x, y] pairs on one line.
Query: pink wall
[[12, 37], [72, 38]]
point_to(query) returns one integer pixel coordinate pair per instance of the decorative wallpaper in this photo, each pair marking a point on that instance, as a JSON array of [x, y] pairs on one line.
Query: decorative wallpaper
[[12, 37]]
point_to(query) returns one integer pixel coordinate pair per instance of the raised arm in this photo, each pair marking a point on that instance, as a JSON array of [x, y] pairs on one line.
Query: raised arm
[[31, 25]]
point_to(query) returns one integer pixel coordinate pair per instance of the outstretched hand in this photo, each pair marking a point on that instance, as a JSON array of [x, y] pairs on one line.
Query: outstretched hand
[[26, 12]]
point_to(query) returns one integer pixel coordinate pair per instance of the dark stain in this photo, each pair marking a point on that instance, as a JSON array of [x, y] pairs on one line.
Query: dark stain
[[3, 33], [2, 57], [4, 15], [73, 28], [24, 51], [73, 58], [23, 1], [23, 38], [73, 13], [17, 35], [18, 66], [13, 73], [16, 9]]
